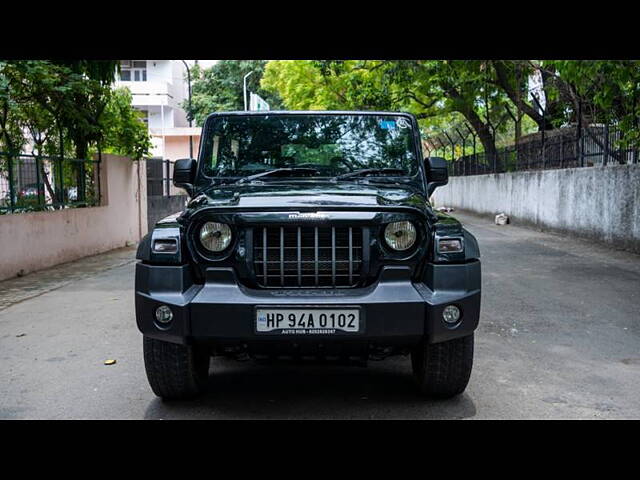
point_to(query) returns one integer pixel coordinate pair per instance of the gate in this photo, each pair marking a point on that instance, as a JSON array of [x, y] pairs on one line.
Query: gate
[[163, 199]]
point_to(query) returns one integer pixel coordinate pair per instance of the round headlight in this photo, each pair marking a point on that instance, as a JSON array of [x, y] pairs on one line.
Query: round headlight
[[400, 235], [215, 236]]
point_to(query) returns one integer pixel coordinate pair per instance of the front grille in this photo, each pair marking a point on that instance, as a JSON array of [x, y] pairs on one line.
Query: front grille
[[307, 257]]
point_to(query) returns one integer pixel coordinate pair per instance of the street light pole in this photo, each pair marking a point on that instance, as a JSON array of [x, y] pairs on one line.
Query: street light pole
[[189, 114], [244, 89]]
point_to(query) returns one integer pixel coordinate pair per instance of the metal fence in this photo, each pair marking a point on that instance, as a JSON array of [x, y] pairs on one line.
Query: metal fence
[[159, 176], [569, 147], [37, 182], [163, 198]]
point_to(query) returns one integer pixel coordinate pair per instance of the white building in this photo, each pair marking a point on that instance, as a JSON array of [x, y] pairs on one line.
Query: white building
[[158, 88]]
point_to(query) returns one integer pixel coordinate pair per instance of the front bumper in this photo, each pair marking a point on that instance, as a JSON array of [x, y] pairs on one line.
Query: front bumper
[[395, 310]]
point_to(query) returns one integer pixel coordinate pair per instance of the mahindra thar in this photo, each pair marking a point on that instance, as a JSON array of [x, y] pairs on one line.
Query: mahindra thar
[[308, 236]]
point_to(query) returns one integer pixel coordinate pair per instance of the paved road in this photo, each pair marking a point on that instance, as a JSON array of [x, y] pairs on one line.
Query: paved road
[[559, 337]]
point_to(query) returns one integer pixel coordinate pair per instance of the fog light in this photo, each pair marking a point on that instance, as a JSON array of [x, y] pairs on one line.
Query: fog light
[[164, 314], [451, 314]]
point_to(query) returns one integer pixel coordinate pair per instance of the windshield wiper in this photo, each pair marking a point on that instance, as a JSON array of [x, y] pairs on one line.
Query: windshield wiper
[[279, 171], [366, 171]]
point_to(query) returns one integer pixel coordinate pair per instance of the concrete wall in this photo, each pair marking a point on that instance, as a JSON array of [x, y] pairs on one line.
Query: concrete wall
[[37, 240], [598, 203]]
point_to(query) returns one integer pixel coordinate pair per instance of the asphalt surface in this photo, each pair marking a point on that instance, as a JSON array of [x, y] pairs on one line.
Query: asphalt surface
[[559, 337]]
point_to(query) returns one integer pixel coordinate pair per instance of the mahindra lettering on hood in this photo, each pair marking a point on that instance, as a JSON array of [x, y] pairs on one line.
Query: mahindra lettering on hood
[[308, 235]]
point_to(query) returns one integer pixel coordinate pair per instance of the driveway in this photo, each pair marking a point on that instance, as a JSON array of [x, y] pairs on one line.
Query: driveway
[[559, 337]]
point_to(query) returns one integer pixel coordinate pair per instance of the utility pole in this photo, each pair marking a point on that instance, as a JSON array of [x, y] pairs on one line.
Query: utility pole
[[244, 89], [189, 114], [518, 119]]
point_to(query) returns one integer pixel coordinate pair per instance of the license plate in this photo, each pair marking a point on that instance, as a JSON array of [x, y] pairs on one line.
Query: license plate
[[307, 321]]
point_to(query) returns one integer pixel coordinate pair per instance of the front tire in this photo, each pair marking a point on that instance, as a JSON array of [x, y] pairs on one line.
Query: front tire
[[174, 371], [443, 369]]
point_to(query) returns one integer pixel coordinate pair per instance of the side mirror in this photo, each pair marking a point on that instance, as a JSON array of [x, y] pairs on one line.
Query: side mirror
[[184, 174], [437, 173]]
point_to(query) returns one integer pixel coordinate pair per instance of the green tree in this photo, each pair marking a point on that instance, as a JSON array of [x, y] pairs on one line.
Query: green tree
[[427, 88], [603, 91], [82, 89], [220, 88], [67, 106], [123, 131], [73, 100], [58, 107], [318, 85], [11, 137], [491, 96]]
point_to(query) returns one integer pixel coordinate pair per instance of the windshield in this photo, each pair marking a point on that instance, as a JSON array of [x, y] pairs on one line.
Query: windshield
[[330, 145]]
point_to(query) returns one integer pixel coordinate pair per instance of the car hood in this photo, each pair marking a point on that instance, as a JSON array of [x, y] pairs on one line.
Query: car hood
[[311, 195]]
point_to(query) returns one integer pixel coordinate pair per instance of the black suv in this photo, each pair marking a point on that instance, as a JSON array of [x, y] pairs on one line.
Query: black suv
[[308, 235]]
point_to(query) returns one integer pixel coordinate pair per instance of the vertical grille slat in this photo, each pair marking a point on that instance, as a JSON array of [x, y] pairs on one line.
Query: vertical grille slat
[[264, 256], [350, 255], [333, 256], [299, 256], [316, 254], [282, 256]]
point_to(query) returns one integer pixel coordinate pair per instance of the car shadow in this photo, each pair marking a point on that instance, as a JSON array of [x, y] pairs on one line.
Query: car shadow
[[250, 390]]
